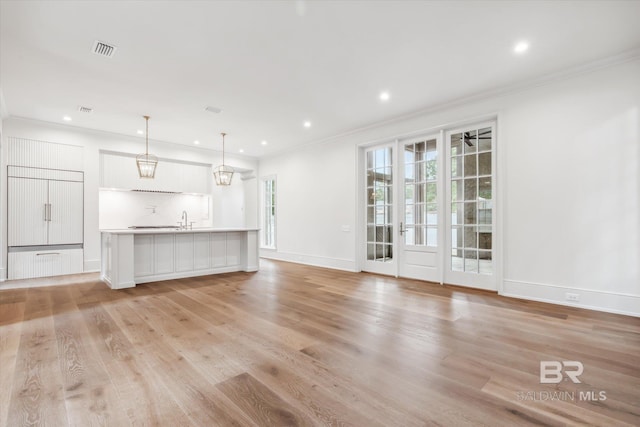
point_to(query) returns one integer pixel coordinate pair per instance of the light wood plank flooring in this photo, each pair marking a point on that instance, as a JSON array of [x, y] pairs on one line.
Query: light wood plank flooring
[[293, 345]]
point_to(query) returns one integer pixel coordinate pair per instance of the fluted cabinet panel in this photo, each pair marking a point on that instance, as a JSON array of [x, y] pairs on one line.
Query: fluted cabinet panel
[[66, 212], [30, 264], [27, 204], [41, 154]]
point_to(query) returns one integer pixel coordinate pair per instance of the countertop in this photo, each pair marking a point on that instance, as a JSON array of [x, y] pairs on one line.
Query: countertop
[[174, 231]]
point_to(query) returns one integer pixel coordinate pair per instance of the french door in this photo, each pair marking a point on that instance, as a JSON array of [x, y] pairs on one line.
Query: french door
[[469, 258], [419, 208], [429, 207]]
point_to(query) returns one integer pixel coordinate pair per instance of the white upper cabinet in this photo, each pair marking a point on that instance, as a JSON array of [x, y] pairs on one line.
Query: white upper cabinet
[[118, 170]]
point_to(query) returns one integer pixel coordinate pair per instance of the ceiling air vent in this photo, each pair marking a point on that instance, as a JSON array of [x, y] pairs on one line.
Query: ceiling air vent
[[85, 109], [103, 49]]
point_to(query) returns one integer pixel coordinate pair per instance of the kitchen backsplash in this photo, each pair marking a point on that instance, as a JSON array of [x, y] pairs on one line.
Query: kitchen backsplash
[[122, 209]]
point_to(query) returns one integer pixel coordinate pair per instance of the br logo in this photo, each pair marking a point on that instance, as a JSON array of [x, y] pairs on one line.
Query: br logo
[[551, 371]]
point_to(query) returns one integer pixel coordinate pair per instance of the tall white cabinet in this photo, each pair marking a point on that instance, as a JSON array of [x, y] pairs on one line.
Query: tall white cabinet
[[44, 209], [45, 212]]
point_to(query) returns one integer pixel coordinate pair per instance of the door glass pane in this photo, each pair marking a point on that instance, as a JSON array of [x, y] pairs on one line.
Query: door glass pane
[[484, 188], [485, 136], [470, 165], [379, 210], [484, 164], [456, 167], [456, 191], [432, 214], [456, 144], [470, 189], [420, 192], [432, 236], [471, 207], [470, 144]]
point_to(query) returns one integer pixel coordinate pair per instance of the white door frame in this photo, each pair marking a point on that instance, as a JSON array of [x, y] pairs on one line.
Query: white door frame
[[498, 191]]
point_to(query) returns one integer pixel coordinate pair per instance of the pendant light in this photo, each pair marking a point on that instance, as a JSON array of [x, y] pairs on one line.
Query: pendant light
[[146, 162], [223, 173]]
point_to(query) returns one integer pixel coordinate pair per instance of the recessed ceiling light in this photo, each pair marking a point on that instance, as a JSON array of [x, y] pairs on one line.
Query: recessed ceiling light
[[307, 124], [264, 143], [140, 132], [241, 150], [384, 96], [196, 142], [521, 47], [66, 118]]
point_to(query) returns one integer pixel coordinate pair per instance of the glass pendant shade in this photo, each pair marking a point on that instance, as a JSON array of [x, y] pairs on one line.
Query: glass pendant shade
[[223, 173], [146, 165], [146, 162]]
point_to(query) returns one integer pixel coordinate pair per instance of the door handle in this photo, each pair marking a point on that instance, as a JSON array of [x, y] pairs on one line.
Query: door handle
[[402, 230], [49, 212], [44, 212], [48, 253]]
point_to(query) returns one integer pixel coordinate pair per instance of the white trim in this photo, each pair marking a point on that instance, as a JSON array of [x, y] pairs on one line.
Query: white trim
[[91, 265], [607, 301], [313, 260], [261, 206], [609, 61]]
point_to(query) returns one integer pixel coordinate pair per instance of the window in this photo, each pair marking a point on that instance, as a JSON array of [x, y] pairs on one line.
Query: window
[[472, 201], [379, 204], [269, 213], [420, 193]]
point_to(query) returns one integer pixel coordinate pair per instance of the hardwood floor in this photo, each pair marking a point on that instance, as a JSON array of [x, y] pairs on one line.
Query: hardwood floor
[[296, 345]]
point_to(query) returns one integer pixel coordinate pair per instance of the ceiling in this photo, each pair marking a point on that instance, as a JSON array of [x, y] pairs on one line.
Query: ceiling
[[271, 65]]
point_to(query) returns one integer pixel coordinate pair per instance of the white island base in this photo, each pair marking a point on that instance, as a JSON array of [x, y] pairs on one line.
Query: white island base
[[130, 257]]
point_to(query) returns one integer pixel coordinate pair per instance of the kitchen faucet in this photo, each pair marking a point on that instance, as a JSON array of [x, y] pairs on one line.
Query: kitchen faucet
[[185, 218]]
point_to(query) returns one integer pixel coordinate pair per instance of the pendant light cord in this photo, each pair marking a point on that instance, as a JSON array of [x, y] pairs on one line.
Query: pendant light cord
[[146, 134], [223, 134]]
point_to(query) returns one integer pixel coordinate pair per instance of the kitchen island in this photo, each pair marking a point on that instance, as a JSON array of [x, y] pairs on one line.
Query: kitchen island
[[133, 256]]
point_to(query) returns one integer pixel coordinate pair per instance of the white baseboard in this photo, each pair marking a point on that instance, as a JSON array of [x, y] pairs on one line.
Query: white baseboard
[[610, 302], [316, 261], [91, 265]]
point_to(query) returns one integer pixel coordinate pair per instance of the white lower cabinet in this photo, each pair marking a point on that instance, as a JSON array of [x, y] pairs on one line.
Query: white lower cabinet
[[201, 251], [176, 254], [130, 258], [163, 248], [234, 248], [43, 263], [218, 250], [184, 252], [143, 255]]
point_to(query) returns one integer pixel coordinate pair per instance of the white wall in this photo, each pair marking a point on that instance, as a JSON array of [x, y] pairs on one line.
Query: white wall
[[569, 182], [121, 209], [93, 142]]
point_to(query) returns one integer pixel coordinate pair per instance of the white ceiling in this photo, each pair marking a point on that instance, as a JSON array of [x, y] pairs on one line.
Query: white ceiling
[[270, 65]]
